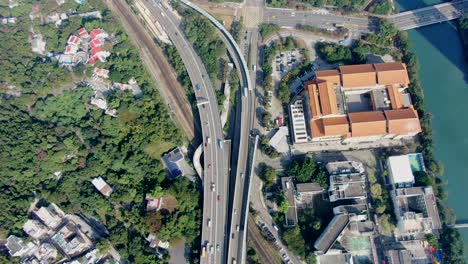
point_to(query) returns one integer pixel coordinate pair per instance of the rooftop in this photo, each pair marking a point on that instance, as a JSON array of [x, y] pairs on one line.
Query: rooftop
[[392, 73], [288, 190], [309, 187], [331, 233], [51, 215], [361, 75], [171, 159], [403, 121], [399, 169], [331, 126], [102, 186], [368, 123]]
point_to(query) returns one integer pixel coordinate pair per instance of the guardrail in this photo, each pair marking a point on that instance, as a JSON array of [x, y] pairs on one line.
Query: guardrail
[[247, 206], [227, 35]]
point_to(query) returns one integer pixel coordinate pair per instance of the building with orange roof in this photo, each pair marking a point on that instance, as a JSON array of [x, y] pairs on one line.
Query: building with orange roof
[[357, 103], [332, 127], [396, 98], [403, 122], [332, 76], [367, 124], [322, 98], [392, 73], [355, 76]]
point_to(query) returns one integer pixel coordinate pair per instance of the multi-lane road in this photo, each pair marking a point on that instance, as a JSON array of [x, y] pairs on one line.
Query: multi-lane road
[[291, 18], [429, 15], [216, 151]]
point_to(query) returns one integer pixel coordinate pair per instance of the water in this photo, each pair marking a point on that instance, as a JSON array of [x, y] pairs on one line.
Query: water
[[443, 74]]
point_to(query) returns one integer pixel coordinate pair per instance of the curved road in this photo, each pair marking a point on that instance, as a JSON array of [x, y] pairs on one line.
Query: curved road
[[215, 157]]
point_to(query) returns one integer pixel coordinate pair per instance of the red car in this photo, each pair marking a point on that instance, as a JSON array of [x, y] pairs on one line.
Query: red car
[[219, 198]]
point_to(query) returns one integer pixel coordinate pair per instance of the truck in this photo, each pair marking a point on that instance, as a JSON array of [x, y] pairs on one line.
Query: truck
[[220, 143], [203, 253]]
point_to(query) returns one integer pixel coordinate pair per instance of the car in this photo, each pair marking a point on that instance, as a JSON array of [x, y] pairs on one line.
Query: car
[[213, 187], [209, 166], [237, 228], [198, 87], [242, 175], [219, 198], [217, 247], [211, 249], [235, 211], [275, 227], [208, 222]]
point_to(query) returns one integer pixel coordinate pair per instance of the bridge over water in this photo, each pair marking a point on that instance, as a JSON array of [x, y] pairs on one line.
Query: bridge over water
[[429, 15], [460, 224]]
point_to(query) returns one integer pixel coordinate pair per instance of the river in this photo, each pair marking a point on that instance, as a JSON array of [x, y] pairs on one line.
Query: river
[[444, 74]]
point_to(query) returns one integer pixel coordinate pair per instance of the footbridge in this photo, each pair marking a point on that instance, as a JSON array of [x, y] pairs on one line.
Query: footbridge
[[429, 15]]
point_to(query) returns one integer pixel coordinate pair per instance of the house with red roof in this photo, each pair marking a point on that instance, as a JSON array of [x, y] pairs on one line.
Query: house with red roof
[[83, 33], [74, 40]]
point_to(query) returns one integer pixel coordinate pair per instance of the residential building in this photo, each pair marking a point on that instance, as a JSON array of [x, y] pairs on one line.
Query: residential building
[[35, 229], [38, 44], [341, 258], [17, 248], [358, 103], [345, 168], [173, 160], [416, 212], [332, 233], [345, 187], [288, 191], [46, 253], [356, 212], [153, 204], [71, 240], [299, 129], [401, 256], [102, 186], [51, 216], [305, 193], [401, 168]]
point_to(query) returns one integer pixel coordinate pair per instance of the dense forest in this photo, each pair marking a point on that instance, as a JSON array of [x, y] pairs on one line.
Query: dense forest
[[50, 129]]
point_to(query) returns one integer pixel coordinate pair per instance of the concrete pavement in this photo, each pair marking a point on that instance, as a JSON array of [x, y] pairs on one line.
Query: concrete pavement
[[216, 150]]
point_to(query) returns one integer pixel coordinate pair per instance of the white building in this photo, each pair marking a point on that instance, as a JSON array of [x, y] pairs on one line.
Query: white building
[[102, 186], [35, 229], [399, 171], [298, 121], [51, 215]]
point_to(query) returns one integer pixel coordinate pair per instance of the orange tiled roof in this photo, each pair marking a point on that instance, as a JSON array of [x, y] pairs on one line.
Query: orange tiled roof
[[327, 98], [403, 121], [392, 73], [358, 75], [396, 98], [367, 123], [314, 103], [329, 75], [333, 126]]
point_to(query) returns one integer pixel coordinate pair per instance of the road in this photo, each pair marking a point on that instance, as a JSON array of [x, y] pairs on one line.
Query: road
[[429, 15], [215, 152], [290, 18], [159, 68]]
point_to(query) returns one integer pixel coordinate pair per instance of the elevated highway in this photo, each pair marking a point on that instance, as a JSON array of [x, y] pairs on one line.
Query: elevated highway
[[216, 150], [240, 148]]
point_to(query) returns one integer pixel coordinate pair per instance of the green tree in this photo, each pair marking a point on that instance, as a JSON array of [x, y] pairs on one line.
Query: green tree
[[293, 238]]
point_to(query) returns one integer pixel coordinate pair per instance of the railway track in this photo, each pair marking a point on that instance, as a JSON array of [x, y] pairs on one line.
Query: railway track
[[160, 69]]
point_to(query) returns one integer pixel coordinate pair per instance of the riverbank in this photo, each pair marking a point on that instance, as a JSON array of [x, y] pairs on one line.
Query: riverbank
[[442, 74], [462, 26]]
